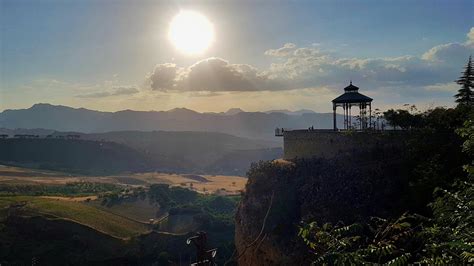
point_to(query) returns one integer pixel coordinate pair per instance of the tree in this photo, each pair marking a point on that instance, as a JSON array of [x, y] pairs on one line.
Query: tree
[[465, 94], [404, 119]]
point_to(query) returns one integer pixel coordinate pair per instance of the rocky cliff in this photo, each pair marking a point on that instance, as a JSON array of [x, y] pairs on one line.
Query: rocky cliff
[[280, 194]]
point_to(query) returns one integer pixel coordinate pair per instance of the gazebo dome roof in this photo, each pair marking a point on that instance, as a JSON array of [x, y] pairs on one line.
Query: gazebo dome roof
[[351, 95], [351, 87]]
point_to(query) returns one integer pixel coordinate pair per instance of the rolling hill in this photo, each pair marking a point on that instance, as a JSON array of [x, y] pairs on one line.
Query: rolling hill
[[82, 156], [98, 219], [132, 151]]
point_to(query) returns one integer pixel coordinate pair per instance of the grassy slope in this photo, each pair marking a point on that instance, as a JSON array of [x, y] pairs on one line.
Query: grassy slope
[[98, 219], [140, 210]]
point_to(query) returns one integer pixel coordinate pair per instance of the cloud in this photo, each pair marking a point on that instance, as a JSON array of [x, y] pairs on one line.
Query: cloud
[[115, 92], [212, 74], [296, 68], [448, 52], [281, 52], [164, 76], [94, 95], [452, 51], [204, 94], [470, 36], [443, 87], [308, 67], [124, 91]]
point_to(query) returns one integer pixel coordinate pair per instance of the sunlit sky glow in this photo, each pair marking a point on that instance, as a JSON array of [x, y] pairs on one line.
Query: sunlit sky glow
[[191, 32], [256, 55]]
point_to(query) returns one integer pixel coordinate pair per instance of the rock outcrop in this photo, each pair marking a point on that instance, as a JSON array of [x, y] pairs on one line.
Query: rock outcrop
[[347, 188]]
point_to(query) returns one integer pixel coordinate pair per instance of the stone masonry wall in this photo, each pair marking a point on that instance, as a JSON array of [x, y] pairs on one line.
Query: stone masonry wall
[[328, 143]]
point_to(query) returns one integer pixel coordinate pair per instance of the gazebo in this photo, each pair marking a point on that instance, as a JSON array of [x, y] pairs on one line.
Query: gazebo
[[351, 97]]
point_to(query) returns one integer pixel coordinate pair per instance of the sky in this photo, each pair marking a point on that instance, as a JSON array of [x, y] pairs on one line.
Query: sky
[[114, 55]]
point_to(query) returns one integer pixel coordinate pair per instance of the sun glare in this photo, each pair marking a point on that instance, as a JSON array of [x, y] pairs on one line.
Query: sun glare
[[191, 32]]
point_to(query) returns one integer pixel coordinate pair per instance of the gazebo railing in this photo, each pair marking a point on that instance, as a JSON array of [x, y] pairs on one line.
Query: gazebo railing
[[279, 131]]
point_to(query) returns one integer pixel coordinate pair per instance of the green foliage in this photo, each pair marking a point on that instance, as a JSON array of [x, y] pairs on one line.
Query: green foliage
[[209, 210], [219, 204], [168, 197], [433, 157], [449, 240], [438, 119], [403, 118], [379, 241], [69, 189], [467, 132], [218, 209], [465, 95]]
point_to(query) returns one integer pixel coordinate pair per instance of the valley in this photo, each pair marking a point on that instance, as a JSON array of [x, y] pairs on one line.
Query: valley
[[207, 184], [125, 211], [134, 151]]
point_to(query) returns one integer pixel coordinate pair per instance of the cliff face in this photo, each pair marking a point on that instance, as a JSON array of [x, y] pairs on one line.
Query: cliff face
[[279, 195]]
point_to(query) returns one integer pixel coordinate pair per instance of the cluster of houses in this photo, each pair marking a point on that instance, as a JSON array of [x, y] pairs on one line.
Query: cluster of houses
[[30, 136]]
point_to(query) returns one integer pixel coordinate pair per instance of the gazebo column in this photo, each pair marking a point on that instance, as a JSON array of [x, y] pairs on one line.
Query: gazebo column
[[334, 116], [347, 116], [350, 116], [365, 116], [370, 115], [344, 116], [344, 111]]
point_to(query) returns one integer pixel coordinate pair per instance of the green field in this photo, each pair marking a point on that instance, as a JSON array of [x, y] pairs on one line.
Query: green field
[[88, 215], [140, 210]]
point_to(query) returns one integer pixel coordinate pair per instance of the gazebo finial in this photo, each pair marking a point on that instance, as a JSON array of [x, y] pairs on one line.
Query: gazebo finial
[[351, 81]]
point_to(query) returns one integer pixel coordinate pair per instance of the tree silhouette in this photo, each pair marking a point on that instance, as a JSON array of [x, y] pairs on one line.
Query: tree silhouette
[[465, 94]]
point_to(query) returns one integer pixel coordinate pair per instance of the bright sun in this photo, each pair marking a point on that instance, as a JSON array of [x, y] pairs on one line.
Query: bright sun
[[191, 32]]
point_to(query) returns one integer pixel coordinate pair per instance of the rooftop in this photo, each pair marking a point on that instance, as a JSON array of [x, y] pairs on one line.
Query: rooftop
[[351, 95], [351, 87]]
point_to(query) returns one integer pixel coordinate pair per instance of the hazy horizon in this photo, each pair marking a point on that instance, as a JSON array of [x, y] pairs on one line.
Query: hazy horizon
[[168, 110]]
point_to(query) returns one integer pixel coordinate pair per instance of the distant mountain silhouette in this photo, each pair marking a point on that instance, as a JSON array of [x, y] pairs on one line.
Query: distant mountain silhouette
[[27, 131], [233, 111], [257, 125], [288, 112]]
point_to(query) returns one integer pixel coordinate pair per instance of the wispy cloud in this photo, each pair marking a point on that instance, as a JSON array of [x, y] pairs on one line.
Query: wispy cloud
[[443, 87], [283, 51], [114, 92], [204, 94]]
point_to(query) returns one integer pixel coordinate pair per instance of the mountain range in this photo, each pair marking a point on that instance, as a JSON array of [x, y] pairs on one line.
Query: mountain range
[[255, 125]]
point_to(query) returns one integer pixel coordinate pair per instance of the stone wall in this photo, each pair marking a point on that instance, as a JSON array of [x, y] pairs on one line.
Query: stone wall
[[328, 143]]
